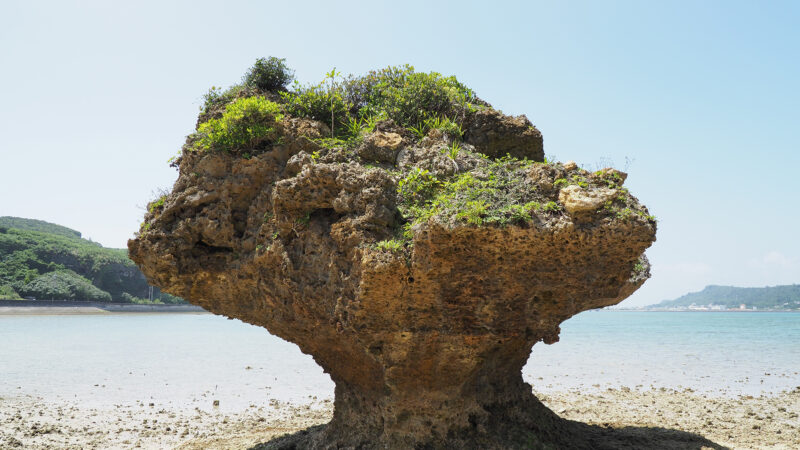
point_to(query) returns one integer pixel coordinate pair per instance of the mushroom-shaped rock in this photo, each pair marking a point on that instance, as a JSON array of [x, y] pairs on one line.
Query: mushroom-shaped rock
[[420, 288]]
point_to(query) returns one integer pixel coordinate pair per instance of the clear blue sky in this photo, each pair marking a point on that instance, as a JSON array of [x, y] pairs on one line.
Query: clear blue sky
[[703, 97]]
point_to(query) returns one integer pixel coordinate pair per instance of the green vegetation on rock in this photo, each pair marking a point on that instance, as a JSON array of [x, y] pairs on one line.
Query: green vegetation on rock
[[498, 194], [411, 99], [462, 171], [50, 262], [408, 97], [244, 115], [268, 74], [247, 123]]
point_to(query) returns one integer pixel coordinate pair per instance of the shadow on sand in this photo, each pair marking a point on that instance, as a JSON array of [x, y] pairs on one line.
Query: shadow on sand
[[579, 436]]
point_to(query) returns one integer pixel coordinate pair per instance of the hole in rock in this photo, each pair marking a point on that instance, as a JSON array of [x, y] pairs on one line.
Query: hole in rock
[[327, 216], [208, 248], [239, 218]]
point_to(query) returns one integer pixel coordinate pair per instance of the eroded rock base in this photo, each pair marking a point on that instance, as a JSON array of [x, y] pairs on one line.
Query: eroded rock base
[[504, 416], [524, 423]]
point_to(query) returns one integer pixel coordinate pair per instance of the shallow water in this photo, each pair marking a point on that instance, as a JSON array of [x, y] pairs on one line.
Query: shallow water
[[720, 353], [189, 360], [172, 359]]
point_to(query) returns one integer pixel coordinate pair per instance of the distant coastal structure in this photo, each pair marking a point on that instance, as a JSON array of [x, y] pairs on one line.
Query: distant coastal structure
[[730, 298]]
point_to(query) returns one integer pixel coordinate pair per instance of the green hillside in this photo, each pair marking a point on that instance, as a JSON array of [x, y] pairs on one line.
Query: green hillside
[[50, 262], [785, 297], [37, 225]]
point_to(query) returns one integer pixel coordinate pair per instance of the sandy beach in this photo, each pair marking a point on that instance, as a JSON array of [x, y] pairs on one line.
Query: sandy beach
[[767, 422]]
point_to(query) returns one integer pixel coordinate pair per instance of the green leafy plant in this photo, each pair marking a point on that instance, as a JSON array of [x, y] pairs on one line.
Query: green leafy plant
[[532, 206], [391, 245], [580, 181], [268, 74], [417, 186], [452, 150], [625, 213], [334, 95], [247, 123], [517, 213], [156, 204], [445, 125], [551, 207], [318, 103], [419, 131], [369, 121], [408, 97], [473, 212], [217, 97], [354, 127]]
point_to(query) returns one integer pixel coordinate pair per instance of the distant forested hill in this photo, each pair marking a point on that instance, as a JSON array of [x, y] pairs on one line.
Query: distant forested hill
[[774, 297], [37, 225], [50, 262]]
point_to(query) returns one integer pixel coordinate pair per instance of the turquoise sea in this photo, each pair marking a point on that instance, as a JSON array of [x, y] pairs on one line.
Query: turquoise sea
[[188, 360]]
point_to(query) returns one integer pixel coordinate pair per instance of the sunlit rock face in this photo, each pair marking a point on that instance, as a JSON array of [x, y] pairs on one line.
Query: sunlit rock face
[[422, 304]]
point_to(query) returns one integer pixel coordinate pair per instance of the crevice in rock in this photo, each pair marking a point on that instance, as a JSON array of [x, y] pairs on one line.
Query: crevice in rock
[[211, 249]]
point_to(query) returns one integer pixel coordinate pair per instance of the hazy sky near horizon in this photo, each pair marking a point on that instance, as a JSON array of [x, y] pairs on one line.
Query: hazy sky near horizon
[[698, 101]]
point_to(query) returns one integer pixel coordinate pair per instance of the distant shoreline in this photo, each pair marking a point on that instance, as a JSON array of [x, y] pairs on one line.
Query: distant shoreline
[[710, 310], [72, 307], [69, 307]]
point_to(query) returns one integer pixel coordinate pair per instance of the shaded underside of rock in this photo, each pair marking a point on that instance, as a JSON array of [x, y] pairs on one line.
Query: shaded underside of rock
[[425, 338]]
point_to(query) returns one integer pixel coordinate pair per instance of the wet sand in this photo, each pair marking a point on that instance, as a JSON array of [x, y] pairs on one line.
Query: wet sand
[[741, 423]]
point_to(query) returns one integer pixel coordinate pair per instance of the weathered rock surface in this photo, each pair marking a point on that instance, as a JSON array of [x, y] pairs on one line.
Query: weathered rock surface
[[425, 344], [581, 201], [498, 135]]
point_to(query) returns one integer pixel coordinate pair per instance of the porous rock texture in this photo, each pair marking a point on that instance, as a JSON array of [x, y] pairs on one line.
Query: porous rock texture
[[425, 343]]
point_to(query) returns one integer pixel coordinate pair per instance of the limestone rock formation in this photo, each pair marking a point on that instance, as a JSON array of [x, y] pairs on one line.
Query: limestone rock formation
[[417, 266]]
